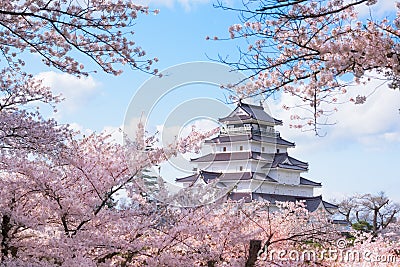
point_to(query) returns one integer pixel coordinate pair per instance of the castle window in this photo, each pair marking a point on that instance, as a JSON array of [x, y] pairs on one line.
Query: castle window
[[263, 149], [241, 148], [241, 168], [277, 150], [224, 148]]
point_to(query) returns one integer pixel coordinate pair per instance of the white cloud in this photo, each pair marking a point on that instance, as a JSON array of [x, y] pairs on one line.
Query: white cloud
[[131, 126], [377, 118], [169, 134], [76, 91], [373, 124], [378, 10], [115, 133], [294, 135], [180, 165], [199, 124], [82, 130], [392, 137]]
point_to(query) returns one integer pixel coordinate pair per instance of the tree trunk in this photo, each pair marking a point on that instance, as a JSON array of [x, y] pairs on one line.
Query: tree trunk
[[255, 246], [5, 229], [375, 221], [211, 263]]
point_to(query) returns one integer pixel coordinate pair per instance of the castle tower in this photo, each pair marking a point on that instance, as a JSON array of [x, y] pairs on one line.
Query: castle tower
[[251, 157]]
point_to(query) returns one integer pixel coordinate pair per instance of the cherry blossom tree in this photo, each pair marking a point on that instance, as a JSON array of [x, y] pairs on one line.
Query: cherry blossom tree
[[220, 234], [60, 30], [68, 200], [61, 194], [313, 50], [374, 211], [65, 211], [64, 207], [59, 199], [55, 185]]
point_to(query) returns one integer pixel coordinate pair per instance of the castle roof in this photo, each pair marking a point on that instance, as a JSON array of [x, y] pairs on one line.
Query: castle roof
[[311, 203], [279, 160], [284, 161], [236, 176], [304, 181], [190, 178], [231, 176], [229, 156], [244, 112], [248, 137]]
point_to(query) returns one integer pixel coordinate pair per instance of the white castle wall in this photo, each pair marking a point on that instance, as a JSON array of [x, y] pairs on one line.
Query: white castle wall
[[248, 146], [271, 188], [232, 166], [285, 176]]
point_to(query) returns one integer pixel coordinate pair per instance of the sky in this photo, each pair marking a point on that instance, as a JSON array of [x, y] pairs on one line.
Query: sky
[[360, 153]]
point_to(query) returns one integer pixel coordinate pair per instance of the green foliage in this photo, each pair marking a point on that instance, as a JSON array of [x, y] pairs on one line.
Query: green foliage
[[363, 226]]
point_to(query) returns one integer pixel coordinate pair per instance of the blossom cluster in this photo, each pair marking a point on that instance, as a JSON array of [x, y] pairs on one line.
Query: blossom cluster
[[313, 50]]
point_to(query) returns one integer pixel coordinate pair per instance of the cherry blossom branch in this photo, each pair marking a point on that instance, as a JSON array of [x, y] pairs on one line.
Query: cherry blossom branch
[[304, 48], [55, 30]]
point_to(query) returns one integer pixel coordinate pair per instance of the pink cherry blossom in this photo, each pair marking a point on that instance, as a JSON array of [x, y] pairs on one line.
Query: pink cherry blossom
[[313, 50], [57, 30]]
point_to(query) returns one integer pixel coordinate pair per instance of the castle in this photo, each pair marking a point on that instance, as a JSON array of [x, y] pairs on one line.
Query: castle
[[250, 157]]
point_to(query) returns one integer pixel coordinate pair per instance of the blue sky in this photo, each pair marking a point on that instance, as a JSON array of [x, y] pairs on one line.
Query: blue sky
[[359, 154]]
